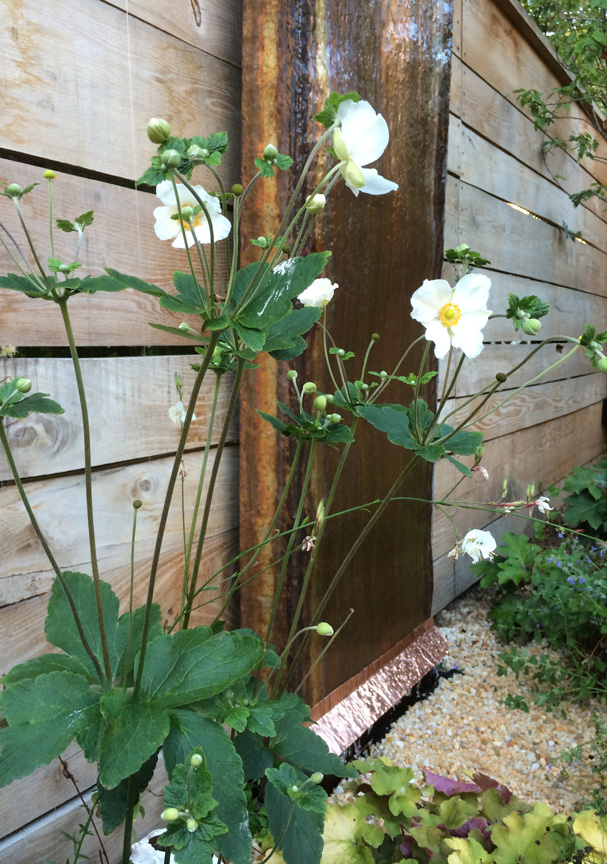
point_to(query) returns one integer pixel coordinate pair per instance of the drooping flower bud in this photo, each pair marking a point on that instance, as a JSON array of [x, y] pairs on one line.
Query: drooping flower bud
[[320, 403], [170, 814], [158, 130], [309, 387], [191, 825], [292, 374], [23, 385], [324, 629], [196, 760], [375, 336], [270, 152], [532, 327], [184, 326], [335, 418], [602, 364], [317, 777], [170, 158], [237, 190], [197, 154], [315, 203]]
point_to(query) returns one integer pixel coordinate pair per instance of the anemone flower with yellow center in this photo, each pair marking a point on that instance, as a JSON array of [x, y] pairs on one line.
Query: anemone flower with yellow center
[[453, 316], [167, 228]]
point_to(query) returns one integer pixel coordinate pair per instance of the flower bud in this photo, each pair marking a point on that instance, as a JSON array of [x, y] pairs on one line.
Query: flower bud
[[594, 345], [375, 336], [170, 814], [191, 825], [341, 352], [315, 203], [196, 760], [196, 153], [317, 777], [330, 399], [324, 629], [501, 377], [309, 387], [291, 374], [158, 130], [262, 241], [13, 191], [602, 364], [383, 375], [532, 327], [49, 175], [270, 152], [522, 316], [320, 403], [137, 504], [237, 190], [364, 386], [63, 268], [335, 418], [285, 248], [184, 326], [23, 385], [187, 213], [170, 159]]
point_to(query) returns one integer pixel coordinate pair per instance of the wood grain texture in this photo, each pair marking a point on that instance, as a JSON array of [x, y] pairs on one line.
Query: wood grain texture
[[129, 245], [540, 454], [521, 244], [94, 109], [212, 26], [128, 400], [60, 510]]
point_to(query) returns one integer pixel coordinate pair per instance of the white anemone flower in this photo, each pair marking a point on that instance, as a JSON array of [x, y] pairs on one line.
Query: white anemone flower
[[453, 316], [319, 294], [170, 229], [361, 138], [478, 544], [177, 413], [144, 853]]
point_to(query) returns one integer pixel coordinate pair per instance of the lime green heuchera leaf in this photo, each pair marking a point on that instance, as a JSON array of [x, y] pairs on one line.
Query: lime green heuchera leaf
[[467, 851], [523, 838], [398, 783], [593, 829], [348, 835]]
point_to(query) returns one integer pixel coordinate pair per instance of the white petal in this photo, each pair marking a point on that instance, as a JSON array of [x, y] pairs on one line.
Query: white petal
[[429, 299], [375, 184], [178, 241], [165, 227], [363, 130], [435, 332], [166, 194], [221, 228], [472, 292], [469, 340]]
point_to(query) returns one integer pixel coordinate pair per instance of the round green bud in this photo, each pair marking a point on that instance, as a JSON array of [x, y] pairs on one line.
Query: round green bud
[[375, 336], [335, 418], [270, 153], [170, 159], [309, 387], [532, 327], [261, 239], [320, 403], [324, 629], [187, 213], [184, 326], [602, 364], [501, 377], [237, 190], [341, 352], [64, 268], [594, 345], [291, 374], [364, 386], [330, 399], [383, 375], [191, 825], [285, 248], [245, 701], [315, 203], [317, 777], [137, 504], [158, 130], [294, 788], [14, 190], [196, 153], [23, 385], [49, 175], [170, 814], [521, 315], [196, 760]]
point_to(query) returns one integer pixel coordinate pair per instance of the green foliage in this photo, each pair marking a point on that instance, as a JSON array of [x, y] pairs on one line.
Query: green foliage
[[463, 254], [16, 404], [305, 427], [521, 309], [328, 115], [79, 223], [586, 506]]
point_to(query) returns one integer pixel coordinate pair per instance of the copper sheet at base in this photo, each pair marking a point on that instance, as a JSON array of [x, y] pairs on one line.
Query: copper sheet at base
[[382, 688]]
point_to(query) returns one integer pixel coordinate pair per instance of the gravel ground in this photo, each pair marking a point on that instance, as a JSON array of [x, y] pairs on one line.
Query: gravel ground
[[462, 727]]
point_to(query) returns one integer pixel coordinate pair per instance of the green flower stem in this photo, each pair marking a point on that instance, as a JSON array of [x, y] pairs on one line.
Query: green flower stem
[[29, 241], [233, 266], [187, 247], [323, 652], [167, 502], [366, 359], [127, 651], [224, 210], [88, 476], [12, 257], [356, 546], [48, 553], [210, 491], [385, 383], [132, 796], [447, 390], [184, 584], [203, 471], [325, 350], [282, 834], [50, 215], [304, 239], [204, 265], [296, 525], [211, 231], [417, 386]]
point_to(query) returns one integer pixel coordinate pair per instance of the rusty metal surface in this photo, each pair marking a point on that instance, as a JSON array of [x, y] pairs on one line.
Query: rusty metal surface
[[345, 722], [396, 54]]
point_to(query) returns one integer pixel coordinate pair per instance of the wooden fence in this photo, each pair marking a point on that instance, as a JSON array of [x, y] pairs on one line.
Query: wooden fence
[[505, 201]]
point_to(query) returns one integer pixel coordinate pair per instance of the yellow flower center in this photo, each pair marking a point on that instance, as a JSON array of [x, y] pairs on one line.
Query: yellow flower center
[[449, 315]]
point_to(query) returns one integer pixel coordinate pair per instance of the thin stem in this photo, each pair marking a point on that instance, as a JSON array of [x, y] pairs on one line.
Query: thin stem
[[88, 476], [366, 359], [69, 776], [131, 590], [384, 384], [326, 352], [29, 240], [132, 795], [224, 209], [185, 240], [211, 489], [48, 553], [323, 652], [167, 502], [203, 206], [417, 386], [50, 215]]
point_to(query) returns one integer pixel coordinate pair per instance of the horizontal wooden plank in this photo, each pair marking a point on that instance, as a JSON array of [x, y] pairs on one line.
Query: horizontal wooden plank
[[94, 110], [59, 505], [540, 454], [128, 400], [487, 112], [520, 244], [41, 841], [534, 405], [495, 50], [129, 245], [479, 163], [213, 26]]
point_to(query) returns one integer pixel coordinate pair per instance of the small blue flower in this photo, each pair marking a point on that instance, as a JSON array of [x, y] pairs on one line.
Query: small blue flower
[[571, 580], [558, 563], [559, 534], [549, 561], [581, 580]]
